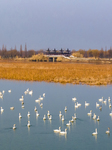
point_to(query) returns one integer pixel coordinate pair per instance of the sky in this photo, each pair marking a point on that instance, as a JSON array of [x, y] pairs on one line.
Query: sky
[[43, 24]]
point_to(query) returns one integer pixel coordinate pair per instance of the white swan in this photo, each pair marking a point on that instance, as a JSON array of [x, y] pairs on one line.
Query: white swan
[[101, 99], [28, 125], [22, 106], [9, 91], [37, 114], [74, 117], [30, 92], [97, 105], [63, 132], [65, 108], [1, 96], [100, 108], [95, 133], [14, 126], [35, 109], [86, 104], [108, 131], [72, 120], [60, 114], [44, 118], [48, 113], [28, 114], [109, 104], [110, 113], [43, 94], [3, 91], [105, 101], [11, 108], [98, 119], [26, 92], [41, 105], [109, 99], [37, 100], [94, 116], [57, 130], [2, 109], [76, 106], [90, 113], [74, 99], [22, 98], [20, 115], [62, 118], [41, 98], [50, 117], [22, 102], [68, 124]]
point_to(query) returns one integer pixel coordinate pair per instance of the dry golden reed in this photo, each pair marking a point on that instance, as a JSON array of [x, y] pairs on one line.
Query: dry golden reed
[[90, 74]]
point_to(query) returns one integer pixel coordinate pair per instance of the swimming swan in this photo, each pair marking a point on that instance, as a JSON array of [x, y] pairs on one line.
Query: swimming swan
[[62, 118], [50, 118], [74, 99], [98, 119], [109, 99], [37, 114], [65, 108], [41, 105], [86, 104], [76, 106], [64, 132], [28, 125], [90, 113], [35, 109], [20, 115], [37, 100], [94, 116], [72, 120], [60, 114], [95, 133], [74, 117], [14, 126], [105, 101], [97, 105], [101, 99], [109, 104], [44, 118], [68, 124], [11, 108], [2, 109], [108, 131], [9, 91], [43, 94], [28, 114], [110, 113], [30, 92], [57, 130], [48, 113]]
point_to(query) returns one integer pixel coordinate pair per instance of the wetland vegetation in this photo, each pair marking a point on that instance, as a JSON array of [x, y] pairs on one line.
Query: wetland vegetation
[[75, 73]]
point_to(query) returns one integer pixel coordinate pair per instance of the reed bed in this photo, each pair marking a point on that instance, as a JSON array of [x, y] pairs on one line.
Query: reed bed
[[90, 74]]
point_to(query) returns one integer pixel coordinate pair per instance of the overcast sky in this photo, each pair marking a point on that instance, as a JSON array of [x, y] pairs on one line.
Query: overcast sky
[[42, 24]]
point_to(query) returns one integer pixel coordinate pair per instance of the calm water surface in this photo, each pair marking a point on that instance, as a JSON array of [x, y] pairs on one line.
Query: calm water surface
[[40, 135]]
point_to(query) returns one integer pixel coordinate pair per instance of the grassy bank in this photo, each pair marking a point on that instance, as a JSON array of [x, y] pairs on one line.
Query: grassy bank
[[90, 74]]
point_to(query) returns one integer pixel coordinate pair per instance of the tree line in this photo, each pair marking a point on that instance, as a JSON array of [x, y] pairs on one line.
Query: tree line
[[24, 53]]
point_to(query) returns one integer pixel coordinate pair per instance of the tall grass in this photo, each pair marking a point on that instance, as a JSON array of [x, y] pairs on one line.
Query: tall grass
[[90, 74]]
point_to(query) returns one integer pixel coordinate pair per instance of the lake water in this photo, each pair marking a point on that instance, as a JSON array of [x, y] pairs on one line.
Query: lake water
[[41, 135]]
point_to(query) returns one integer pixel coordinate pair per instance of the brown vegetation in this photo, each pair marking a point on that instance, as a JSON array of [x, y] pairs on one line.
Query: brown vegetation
[[90, 74]]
